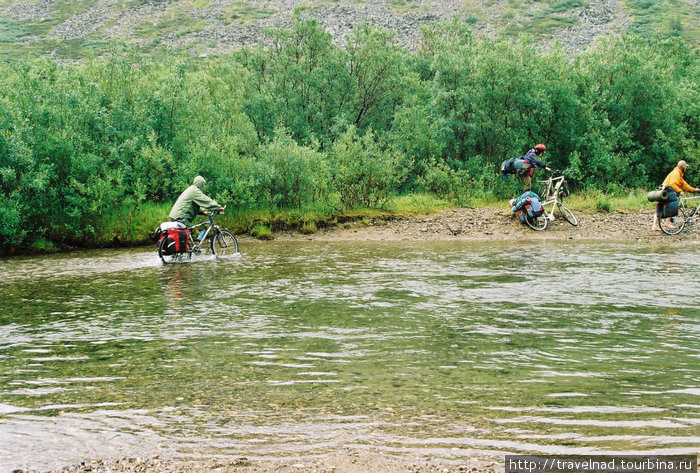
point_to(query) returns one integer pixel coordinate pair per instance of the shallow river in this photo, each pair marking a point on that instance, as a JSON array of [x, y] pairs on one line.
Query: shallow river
[[448, 349]]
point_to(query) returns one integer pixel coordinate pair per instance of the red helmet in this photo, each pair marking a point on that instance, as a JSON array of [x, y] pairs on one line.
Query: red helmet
[[540, 147]]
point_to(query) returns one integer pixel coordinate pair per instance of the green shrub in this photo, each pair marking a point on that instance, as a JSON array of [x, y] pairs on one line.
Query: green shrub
[[364, 173], [443, 181], [293, 175]]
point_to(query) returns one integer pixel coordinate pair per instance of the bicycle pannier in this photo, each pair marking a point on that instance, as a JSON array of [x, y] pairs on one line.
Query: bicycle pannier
[[523, 199], [528, 203], [534, 209], [176, 236]]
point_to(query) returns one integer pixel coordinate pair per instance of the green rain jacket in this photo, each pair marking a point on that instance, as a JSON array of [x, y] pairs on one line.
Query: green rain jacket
[[191, 202]]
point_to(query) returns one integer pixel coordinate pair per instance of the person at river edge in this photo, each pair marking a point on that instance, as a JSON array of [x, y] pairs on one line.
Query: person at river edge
[[674, 184], [193, 201], [532, 161]]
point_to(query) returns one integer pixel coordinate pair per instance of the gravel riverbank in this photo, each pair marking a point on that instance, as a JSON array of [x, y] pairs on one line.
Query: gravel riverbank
[[502, 224], [349, 461]]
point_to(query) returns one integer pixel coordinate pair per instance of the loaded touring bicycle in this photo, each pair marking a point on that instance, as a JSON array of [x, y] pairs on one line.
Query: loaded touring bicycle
[[176, 242]]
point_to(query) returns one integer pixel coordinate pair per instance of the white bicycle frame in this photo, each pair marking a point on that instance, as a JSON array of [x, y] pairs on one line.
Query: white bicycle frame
[[552, 195]]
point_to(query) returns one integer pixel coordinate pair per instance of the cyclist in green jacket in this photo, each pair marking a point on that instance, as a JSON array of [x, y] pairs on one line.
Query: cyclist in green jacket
[[192, 202]]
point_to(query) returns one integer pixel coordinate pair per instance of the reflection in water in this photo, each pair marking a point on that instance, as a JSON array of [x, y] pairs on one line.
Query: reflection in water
[[446, 348]]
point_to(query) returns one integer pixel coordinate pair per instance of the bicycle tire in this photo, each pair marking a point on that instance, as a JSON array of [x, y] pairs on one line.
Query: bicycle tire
[[224, 243], [567, 214], [538, 223], [673, 225], [171, 258]]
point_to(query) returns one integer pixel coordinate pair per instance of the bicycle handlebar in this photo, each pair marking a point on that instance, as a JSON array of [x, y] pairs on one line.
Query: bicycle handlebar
[[218, 211]]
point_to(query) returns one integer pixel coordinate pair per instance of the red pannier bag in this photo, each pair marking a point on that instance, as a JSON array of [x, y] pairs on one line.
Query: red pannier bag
[[176, 236]]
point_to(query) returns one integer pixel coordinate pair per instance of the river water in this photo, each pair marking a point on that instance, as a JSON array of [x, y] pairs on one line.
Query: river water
[[450, 349]]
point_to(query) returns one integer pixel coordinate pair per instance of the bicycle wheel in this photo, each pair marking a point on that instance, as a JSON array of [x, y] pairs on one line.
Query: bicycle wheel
[[567, 214], [538, 223], [224, 243], [673, 225], [170, 258]]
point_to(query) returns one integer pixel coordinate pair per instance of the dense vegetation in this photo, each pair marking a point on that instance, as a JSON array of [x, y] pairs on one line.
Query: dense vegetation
[[99, 150]]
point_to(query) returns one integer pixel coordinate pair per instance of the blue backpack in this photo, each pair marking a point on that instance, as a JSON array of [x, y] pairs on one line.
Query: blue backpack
[[512, 166], [529, 203]]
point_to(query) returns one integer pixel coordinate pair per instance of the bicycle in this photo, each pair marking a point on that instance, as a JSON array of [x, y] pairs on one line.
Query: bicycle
[[222, 242], [674, 225], [552, 192]]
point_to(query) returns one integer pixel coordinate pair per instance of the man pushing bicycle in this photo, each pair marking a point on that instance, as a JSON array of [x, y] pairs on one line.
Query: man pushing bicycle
[[674, 184]]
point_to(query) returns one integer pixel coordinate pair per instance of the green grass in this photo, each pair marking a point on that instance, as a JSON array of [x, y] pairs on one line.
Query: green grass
[[261, 232], [561, 6], [597, 201], [665, 17], [60, 11], [11, 31], [404, 6], [417, 204], [308, 227], [243, 12], [536, 19], [173, 21], [551, 15], [201, 4]]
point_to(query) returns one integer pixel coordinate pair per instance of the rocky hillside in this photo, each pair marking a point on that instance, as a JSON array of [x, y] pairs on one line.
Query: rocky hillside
[[73, 27]]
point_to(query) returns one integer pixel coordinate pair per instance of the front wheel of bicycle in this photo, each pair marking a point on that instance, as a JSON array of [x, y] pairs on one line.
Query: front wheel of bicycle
[[537, 223], [673, 225], [224, 243], [567, 214]]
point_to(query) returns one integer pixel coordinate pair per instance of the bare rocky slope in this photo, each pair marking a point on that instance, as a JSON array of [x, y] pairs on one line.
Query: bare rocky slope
[[221, 27]]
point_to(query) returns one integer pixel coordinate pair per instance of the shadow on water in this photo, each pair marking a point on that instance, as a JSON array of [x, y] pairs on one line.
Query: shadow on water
[[447, 348]]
